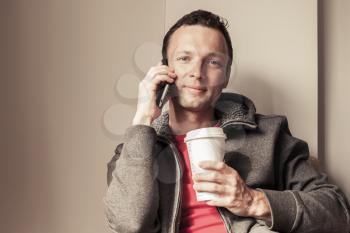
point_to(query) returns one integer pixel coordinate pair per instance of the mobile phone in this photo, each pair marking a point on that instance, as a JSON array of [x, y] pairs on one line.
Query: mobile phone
[[163, 89]]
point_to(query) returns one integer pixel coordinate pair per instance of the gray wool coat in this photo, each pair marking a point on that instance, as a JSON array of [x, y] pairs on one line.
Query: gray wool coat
[[144, 176]]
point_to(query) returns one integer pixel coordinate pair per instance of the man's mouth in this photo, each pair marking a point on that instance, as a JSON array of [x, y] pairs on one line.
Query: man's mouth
[[195, 89]]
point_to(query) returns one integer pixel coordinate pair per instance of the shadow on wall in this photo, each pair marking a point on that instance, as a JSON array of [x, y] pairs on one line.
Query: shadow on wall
[[321, 84], [255, 88]]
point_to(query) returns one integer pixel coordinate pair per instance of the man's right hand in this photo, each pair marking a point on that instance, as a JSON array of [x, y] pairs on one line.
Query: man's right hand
[[147, 109]]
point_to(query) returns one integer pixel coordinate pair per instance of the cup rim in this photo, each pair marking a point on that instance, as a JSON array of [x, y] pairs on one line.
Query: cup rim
[[209, 132]]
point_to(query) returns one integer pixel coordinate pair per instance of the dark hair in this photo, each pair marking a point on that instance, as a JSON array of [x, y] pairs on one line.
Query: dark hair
[[204, 18]]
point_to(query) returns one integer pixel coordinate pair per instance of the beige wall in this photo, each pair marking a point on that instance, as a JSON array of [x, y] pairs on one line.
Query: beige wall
[[67, 57], [68, 65], [335, 73]]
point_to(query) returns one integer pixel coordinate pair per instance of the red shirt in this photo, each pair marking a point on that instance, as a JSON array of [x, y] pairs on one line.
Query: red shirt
[[196, 217]]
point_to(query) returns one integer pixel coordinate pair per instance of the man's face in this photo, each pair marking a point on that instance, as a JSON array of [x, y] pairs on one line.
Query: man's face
[[199, 56]]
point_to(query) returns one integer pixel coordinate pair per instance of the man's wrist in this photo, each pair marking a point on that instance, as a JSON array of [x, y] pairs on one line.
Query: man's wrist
[[142, 120], [260, 208]]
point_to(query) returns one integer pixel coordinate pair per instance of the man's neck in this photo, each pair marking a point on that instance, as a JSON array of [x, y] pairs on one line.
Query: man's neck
[[182, 120]]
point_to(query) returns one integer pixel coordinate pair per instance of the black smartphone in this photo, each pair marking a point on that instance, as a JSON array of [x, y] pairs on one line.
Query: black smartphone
[[163, 89]]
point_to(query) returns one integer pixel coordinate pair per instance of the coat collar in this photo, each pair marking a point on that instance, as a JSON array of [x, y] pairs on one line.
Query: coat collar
[[231, 108]]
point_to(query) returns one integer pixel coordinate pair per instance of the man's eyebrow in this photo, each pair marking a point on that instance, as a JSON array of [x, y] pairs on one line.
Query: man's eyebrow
[[212, 54], [184, 51], [216, 54]]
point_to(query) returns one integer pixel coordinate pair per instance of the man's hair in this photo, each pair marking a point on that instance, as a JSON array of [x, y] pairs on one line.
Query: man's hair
[[204, 18]]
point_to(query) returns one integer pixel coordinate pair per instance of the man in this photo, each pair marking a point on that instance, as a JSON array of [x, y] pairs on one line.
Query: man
[[265, 184]]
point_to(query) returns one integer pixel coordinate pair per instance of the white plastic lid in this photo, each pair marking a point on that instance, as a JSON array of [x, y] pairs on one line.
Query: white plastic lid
[[205, 133]]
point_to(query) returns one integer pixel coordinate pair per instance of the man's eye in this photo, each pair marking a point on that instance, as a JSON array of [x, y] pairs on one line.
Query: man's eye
[[215, 62], [183, 59]]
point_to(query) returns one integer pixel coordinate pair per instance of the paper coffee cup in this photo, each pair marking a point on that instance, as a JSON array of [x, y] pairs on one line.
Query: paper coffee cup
[[205, 144]]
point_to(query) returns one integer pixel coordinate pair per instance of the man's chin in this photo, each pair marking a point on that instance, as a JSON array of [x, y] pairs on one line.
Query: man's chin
[[195, 106]]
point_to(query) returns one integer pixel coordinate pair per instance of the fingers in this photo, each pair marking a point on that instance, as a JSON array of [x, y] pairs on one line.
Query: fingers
[[158, 70], [158, 79], [228, 195], [219, 178], [160, 74], [218, 166], [147, 109], [156, 75], [214, 165], [212, 176], [229, 188], [222, 180], [221, 202], [210, 187]]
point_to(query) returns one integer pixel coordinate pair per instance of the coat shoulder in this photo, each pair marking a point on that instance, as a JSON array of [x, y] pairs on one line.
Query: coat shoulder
[[276, 122]]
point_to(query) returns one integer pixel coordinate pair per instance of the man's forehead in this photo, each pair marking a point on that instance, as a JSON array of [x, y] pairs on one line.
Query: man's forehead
[[197, 38]]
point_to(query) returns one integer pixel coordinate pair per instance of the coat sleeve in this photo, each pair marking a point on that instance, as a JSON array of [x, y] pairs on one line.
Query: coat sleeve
[[131, 200], [304, 201]]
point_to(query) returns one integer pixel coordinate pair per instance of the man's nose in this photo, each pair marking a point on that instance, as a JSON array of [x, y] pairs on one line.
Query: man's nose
[[197, 69]]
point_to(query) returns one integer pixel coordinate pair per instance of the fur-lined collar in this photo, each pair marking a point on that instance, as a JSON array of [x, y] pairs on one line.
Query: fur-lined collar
[[230, 108]]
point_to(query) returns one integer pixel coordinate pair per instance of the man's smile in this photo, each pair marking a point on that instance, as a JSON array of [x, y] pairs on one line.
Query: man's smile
[[195, 89]]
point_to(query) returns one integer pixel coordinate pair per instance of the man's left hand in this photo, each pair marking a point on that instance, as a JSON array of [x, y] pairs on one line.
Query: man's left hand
[[233, 193]]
